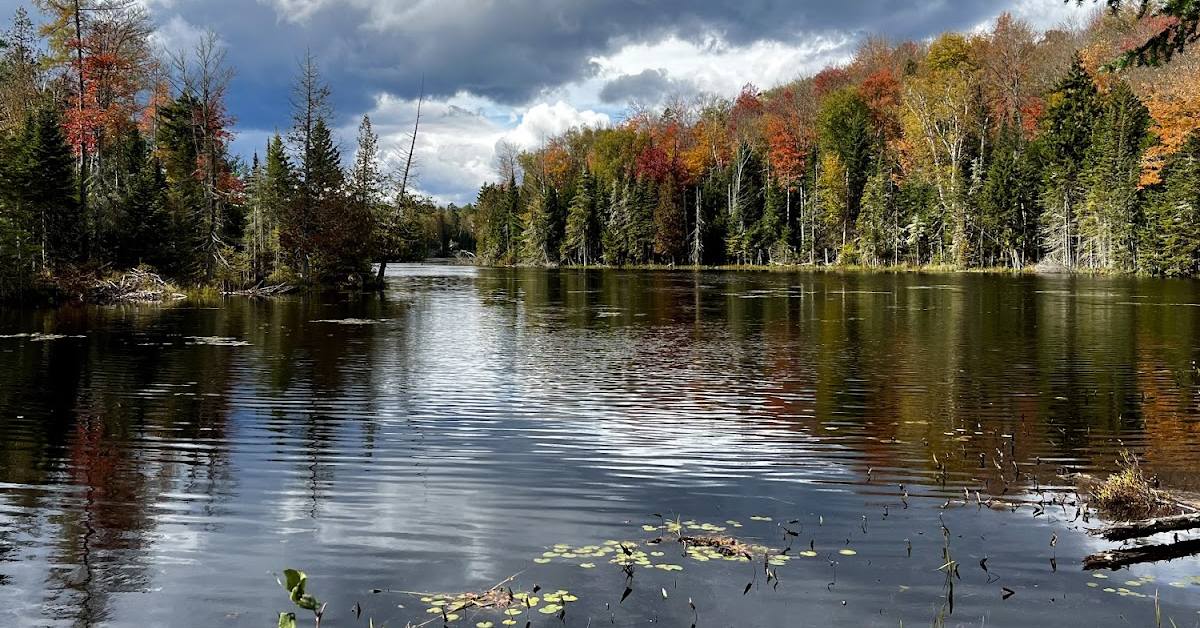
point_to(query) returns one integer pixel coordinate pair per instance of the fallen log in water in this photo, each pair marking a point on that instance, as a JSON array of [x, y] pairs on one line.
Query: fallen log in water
[[1124, 530], [262, 291], [1116, 559]]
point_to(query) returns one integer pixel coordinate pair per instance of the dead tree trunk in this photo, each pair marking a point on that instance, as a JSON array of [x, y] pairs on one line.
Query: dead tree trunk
[[1116, 559], [1125, 530]]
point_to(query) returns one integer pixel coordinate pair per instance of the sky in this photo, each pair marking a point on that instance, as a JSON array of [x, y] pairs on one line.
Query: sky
[[519, 71]]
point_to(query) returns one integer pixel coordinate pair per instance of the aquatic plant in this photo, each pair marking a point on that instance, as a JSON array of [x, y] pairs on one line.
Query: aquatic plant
[[294, 582], [1128, 493]]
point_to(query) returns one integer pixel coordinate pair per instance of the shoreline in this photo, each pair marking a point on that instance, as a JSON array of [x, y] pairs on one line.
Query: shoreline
[[931, 269]]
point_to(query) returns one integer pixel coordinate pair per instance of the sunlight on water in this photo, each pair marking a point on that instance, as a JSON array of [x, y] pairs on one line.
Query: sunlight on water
[[165, 462]]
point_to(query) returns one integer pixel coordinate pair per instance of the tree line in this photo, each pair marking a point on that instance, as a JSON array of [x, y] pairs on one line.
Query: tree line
[[1005, 148], [115, 155]]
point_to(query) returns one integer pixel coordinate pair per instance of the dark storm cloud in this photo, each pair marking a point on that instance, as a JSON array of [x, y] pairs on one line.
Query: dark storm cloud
[[509, 51], [648, 86]]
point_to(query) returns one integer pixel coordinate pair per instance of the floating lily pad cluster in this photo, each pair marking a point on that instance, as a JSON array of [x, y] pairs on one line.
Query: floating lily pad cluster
[[1127, 589], [510, 605], [582, 554]]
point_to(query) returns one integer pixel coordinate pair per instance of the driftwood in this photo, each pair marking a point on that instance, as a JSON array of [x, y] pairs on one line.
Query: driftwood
[[135, 286], [262, 291], [1124, 530], [1116, 559]]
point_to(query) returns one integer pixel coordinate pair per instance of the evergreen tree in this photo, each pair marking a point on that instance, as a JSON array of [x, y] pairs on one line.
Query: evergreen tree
[[47, 188], [538, 225], [511, 221], [148, 237], [175, 142], [877, 219], [18, 246], [366, 180], [639, 236], [581, 239], [844, 126], [669, 222], [1008, 202], [1071, 111], [1172, 240], [1110, 216]]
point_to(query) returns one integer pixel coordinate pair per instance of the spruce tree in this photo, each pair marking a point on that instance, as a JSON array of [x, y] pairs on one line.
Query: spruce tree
[[1172, 241], [845, 130], [876, 217], [1008, 202], [616, 225], [1071, 112], [669, 222], [148, 229], [1110, 216], [579, 241], [47, 186]]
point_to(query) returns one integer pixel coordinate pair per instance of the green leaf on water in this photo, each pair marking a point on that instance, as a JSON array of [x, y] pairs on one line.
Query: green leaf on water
[[287, 620], [293, 579]]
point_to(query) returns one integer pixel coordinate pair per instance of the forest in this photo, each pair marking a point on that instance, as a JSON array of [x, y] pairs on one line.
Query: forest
[[1074, 149], [116, 156], [1068, 150]]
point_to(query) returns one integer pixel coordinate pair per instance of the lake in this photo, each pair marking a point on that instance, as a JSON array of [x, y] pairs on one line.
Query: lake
[[161, 465]]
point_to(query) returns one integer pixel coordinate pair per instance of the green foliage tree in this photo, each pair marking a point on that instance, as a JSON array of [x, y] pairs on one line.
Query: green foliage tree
[[844, 129], [46, 183], [1171, 242], [1008, 202], [1110, 215], [582, 238], [1066, 136]]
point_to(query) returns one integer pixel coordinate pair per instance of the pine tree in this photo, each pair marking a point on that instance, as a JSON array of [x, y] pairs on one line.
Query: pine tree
[[876, 218], [845, 131], [511, 221], [832, 203], [1008, 202], [175, 143], [639, 235], [580, 242], [148, 237], [616, 225], [18, 246], [1110, 216], [538, 244], [669, 222], [47, 186], [1071, 112], [366, 180], [1172, 240]]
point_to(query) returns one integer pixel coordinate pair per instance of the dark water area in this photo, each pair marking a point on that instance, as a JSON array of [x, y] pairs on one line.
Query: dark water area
[[160, 465]]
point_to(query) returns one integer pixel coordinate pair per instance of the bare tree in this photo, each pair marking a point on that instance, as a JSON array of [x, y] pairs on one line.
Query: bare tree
[[203, 79]]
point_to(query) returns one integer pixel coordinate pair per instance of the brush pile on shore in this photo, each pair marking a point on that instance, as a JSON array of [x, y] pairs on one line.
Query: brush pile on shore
[[133, 286]]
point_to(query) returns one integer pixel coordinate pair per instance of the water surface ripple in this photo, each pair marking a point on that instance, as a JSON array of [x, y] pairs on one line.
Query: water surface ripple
[[159, 465]]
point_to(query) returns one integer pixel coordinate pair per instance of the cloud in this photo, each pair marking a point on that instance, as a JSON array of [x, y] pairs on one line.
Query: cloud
[[543, 121], [176, 35], [647, 86], [522, 69], [511, 51], [456, 144]]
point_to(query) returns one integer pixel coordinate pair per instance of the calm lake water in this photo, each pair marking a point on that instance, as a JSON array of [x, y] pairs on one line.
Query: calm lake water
[[160, 465]]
